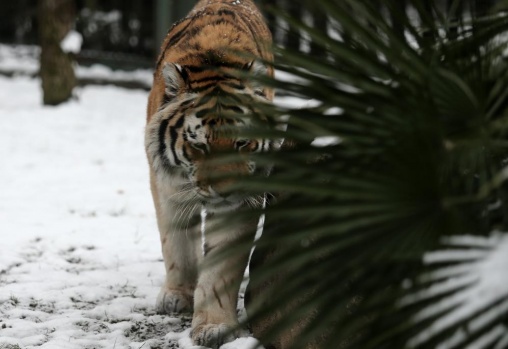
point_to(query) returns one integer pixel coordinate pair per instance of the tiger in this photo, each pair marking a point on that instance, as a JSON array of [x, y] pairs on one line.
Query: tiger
[[195, 87]]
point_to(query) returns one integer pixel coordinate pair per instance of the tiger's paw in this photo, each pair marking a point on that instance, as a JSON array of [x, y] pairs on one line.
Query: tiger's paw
[[214, 335], [173, 301]]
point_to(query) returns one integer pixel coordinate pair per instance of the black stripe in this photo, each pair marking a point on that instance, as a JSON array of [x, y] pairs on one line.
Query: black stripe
[[206, 248], [203, 112], [214, 61], [224, 21], [174, 39], [226, 12], [233, 108], [253, 34], [219, 21], [162, 143], [187, 103], [205, 87], [195, 68], [185, 154], [179, 35], [184, 74], [173, 132], [188, 34], [165, 100], [209, 78], [219, 90]]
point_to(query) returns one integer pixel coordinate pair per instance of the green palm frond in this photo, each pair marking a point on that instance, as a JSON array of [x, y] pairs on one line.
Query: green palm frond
[[415, 126], [466, 293]]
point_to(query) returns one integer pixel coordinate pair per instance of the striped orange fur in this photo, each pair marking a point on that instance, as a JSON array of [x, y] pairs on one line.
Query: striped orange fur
[[195, 87], [209, 36]]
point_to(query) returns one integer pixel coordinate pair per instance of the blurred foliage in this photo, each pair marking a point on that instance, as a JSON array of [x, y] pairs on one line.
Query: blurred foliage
[[415, 102]]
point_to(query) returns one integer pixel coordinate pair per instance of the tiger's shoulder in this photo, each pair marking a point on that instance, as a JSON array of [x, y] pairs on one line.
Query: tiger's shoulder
[[217, 33]]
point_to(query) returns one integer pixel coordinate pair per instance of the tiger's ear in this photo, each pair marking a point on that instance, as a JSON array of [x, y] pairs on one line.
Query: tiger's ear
[[175, 78]]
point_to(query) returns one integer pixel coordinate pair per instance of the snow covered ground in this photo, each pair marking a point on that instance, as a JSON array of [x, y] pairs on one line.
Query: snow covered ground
[[80, 262]]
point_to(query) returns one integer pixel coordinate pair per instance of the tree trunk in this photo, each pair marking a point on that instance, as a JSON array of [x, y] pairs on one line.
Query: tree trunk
[[57, 74]]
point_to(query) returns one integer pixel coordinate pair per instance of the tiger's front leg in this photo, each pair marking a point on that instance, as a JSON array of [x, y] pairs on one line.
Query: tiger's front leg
[[180, 235], [215, 300]]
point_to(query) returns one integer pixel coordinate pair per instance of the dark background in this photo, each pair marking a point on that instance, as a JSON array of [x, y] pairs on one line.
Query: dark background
[[127, 34], [117, 33]]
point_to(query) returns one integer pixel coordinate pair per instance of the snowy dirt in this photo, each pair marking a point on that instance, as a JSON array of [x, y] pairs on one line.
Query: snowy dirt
[[80, 261]]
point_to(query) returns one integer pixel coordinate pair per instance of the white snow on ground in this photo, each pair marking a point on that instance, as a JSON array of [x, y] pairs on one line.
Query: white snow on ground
[[20, 59], [80, 262]]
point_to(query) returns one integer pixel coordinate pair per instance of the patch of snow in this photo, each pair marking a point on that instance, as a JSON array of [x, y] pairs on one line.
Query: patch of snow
[[72, 42], [291, 102], [490, 338], [288, 77], [99, 71], [247, 343], [325, 141], [334, 111], [203, 229]]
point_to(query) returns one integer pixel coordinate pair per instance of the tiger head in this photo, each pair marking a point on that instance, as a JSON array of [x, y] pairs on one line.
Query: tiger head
[[201, 118]]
